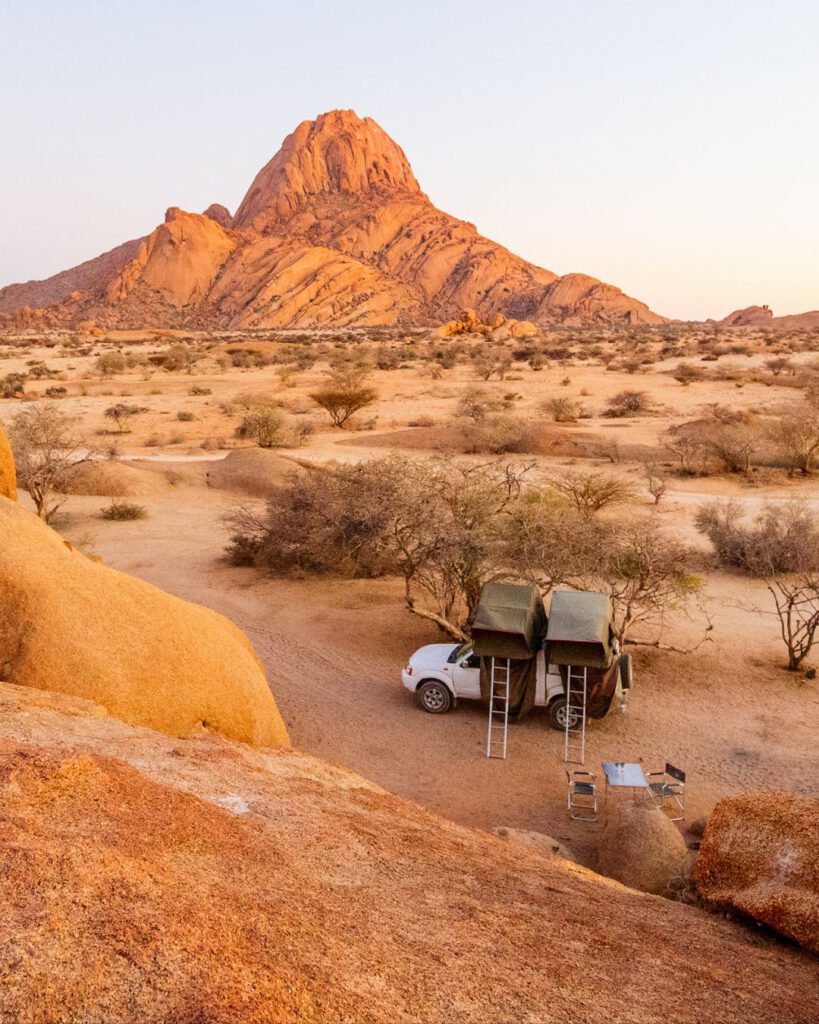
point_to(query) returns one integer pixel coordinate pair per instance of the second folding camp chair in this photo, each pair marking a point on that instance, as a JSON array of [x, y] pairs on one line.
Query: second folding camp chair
[[667, 789]]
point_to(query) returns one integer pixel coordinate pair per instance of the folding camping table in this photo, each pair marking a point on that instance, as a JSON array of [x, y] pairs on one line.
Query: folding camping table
[[621, 775]]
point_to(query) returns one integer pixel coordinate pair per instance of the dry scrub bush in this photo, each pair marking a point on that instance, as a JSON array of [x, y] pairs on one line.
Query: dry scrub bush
[[796, 436], [46, 445], [12, 385], [687, 373], [177, 357], [781, 546], [264, 425], [647, 574], [121, 414], [627, 403], [476, 405], [124, 511], [110, 363], [550, 543], [488, 364], [728, 438], [561, 410], [498, 435], [656, 482]]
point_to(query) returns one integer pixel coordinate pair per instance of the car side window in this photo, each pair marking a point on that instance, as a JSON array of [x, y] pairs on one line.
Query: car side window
[[473, 661]]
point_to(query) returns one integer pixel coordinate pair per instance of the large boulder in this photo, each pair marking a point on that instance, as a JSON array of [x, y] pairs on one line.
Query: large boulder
[[8, 475], [74, 626], [255, 471], [113, 479], [642, 848], [760, 856], [523, 329]]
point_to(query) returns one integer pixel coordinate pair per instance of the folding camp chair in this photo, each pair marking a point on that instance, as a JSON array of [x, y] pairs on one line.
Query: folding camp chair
[[667, 790], [582, 802]]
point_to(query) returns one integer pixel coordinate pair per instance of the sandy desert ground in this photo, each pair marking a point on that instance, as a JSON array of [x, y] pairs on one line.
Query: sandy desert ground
[[729, 713]]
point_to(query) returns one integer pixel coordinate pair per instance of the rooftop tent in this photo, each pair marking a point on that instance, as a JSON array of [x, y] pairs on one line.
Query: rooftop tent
[[579, 630], [510, 622]]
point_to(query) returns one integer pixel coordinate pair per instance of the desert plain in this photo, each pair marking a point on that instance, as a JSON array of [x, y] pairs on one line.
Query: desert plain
[[714, 696]]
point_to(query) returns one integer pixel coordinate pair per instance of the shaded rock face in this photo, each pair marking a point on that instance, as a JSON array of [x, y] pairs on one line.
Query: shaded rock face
[[333, 231], [71, 625], [760, 856], [8, 474], [145, 878], [221, 214]]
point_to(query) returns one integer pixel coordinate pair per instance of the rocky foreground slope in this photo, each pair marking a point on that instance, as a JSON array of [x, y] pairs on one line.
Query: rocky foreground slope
[[333, 231], [145, 878]]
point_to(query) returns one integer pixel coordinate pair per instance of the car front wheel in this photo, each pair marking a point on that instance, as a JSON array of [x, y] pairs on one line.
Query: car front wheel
[[558, 712], [434, 697]]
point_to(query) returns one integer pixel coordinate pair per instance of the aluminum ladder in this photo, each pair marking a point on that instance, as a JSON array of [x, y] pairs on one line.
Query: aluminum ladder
[[500, 677], [574, 728]]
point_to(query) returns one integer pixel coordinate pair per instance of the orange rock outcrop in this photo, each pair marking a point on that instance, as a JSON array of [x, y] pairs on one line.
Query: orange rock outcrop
[[334, 230], [8, 474], [760, 856], [762, 316], [74, 626]]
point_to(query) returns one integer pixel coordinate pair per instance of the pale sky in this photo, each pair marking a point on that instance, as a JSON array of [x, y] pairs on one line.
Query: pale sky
[[668, 148]]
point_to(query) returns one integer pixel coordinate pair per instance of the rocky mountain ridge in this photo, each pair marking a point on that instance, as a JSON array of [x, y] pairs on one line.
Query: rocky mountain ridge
[[333, 231]]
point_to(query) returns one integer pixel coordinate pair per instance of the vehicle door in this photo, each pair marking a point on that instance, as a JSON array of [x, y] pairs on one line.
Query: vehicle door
[[466, 676]]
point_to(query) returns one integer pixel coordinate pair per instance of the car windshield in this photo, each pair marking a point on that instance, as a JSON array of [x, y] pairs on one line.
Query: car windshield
[[459, 652]]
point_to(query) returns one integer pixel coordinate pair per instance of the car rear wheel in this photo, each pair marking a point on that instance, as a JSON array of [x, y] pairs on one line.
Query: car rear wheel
[[558, 712], [434, 697]]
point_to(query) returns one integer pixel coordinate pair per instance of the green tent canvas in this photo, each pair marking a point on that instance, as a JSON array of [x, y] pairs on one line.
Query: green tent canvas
[[509, 623], [579, 631]]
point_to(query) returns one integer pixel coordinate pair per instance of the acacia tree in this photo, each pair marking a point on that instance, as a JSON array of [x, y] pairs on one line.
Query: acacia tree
[[46, 445], [796, 599], [647, 574], [121, 414], [589, 492], [345, 393], [656, 482], [438, 525], [548, 542]]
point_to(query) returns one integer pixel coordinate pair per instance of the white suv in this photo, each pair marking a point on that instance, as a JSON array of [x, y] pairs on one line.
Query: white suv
[[441, 674]]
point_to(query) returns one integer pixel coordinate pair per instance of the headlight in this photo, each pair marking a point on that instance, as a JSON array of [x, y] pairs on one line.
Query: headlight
[[408, 670]]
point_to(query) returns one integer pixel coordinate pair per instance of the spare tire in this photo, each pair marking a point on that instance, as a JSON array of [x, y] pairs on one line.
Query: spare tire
[[626, 671]]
